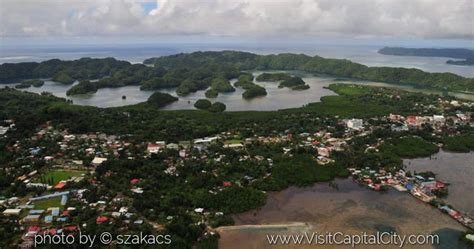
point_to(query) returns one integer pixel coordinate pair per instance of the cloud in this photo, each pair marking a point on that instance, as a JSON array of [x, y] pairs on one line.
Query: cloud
[[239, 18]]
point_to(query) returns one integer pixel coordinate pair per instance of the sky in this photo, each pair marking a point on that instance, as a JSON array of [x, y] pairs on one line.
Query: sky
[[237, 20]]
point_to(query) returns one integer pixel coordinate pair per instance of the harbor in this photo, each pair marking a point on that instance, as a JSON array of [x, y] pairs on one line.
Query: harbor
[[423, 186]]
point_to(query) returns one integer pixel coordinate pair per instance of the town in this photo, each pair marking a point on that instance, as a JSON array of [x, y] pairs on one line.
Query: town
[[56, 179], [61, 182]]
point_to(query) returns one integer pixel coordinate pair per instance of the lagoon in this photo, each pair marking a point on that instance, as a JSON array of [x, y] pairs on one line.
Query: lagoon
[[276, 99]]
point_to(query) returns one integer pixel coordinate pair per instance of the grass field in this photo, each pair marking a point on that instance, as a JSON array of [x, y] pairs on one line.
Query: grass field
[[45, 204], [55, 176], [233, 141]]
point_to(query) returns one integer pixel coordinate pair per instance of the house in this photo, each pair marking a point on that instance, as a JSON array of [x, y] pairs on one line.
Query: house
[[395, 117], [323, 151], [439, 119], [36, 211], [101, 219], [227, 184], [98, 160], [429, 185], [32, 231], [48, 219], [234, 146], [152, 148], [31, 218], [12, 212], [355, 124], [206, 140], [199, 210], [411, 120], [462, 117], [60, 185]]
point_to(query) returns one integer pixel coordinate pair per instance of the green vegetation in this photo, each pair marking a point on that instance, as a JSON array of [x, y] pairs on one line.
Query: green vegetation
[[273, 77], [251, 90], [335, 67], [300, 170], [34, 82], [254, 91], [235, 200], [409, 147], [158, 99], [203, 104], [29, 83], [210, 242], [48, 203], [217, 107], [300, 87], [245, 81], [63, 77], [82, 69], [22, 86], [216, 179], [83, 87], [222, 85], [200, 70], [157, 83], [458, 53], [363, 102], [293, 82], [211, 93], [53, 177], [246, 77], [461, 143], [466, 62]]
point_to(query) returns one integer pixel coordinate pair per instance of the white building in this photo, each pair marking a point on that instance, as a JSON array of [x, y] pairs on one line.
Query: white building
[[355, 124]]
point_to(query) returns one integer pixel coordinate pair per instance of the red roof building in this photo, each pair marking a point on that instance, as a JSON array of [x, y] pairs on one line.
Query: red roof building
[[60, 185], [101, 219], [34, 229], [227, 184], [440, 184], [411, 120], [72, 228]]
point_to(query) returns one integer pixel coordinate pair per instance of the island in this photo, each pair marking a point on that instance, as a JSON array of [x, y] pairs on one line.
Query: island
[[29, 83], [458, 53], [191, 72], [295, 83], [252, 90], [285, 79], [34, 82], [466, 62], [23, 85], [217, 107], [202, 104], [211, 93], [83, 87], [159, 99]]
